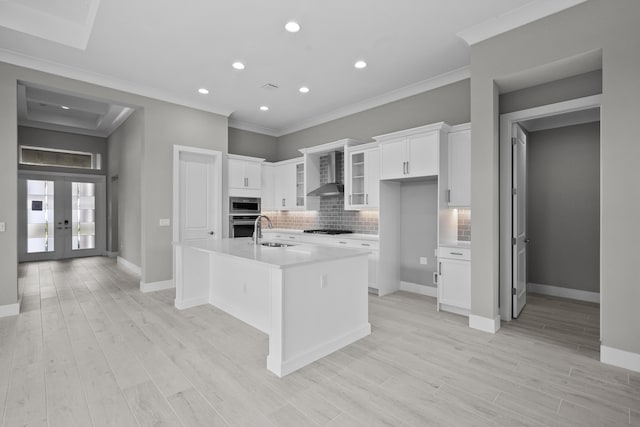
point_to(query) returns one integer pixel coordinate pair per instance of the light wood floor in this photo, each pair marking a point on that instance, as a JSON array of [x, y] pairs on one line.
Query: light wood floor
[[90, 349]]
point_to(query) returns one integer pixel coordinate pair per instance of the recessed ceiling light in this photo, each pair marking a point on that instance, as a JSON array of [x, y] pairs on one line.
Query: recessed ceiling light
[[264, 108], [203, 91], [360, 64], [64, 107], [238, 65], [292, 27], [304, 89]]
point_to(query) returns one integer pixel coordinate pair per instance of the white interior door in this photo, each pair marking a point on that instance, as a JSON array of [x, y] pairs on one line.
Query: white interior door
[[61, 217], [198, 205], [519, 220]]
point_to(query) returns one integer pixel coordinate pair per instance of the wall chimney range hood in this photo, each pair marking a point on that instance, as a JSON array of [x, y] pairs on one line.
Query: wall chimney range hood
[[333, 187]]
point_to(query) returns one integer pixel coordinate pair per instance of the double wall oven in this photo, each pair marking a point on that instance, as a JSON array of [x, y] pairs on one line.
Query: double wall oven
[[243, 212]]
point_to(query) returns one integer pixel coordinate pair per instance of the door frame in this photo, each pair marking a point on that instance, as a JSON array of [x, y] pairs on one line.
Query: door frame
[[506, 184], [100, 209], [217, 166]]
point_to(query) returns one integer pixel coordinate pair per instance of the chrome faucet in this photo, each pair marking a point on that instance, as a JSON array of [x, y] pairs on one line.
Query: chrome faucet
[[257, 228]]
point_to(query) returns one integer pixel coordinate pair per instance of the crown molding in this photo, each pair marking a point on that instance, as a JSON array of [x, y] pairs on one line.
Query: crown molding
[[394, 95], [50, 67], [514, 18], [251, 127]]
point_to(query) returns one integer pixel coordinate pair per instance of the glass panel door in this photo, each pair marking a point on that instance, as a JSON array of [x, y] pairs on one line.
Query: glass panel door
[[40, 211], [83, 214], [357, 179]]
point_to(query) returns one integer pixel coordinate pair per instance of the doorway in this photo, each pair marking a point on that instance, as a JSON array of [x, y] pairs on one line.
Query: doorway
[[514, 236], [60, 216]]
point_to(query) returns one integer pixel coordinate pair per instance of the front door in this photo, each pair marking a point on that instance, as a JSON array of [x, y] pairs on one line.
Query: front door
[[519, 220], [60, 217]]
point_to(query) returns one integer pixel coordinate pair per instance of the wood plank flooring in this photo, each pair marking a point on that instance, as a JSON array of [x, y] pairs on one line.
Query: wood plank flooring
[[90, 349]]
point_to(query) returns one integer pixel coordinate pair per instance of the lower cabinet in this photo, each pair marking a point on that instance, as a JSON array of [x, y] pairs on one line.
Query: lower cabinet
[[454, 280]]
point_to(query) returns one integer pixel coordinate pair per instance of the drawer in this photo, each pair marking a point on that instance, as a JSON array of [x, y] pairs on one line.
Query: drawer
[[453, 252]]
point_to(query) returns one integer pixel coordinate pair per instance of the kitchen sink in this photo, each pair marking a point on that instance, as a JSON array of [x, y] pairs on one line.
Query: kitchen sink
[[276, 245]]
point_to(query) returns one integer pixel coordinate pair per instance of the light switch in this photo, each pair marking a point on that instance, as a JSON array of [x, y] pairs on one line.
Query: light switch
[[3, 227], [165, 222], [323, 281]]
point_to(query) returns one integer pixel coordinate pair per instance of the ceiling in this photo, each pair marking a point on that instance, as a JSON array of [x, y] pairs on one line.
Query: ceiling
[[45, 108], [170, 52]]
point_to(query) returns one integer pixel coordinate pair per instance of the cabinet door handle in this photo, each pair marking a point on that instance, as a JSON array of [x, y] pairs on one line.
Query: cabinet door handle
[[365, 244], [449, 196], [283, 201], [456, 253], [343, 243], [440, 268], [404, 168], [408, 168], [351, 199], [366, 197]]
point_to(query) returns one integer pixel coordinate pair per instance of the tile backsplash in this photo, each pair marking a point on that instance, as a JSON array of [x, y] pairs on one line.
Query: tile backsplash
[[331, 213], [464, 225]]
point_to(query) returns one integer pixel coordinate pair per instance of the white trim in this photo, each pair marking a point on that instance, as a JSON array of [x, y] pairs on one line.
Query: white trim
[[94, 78], [558, 291], [110, 254], [620, 358], [251, 127], [127, 265], [430, 291], [10, 310], [455, 310], [394, 95], [484, 324], [506, 129], [318, 352], [531, 11], [156, 286], [191, 302]]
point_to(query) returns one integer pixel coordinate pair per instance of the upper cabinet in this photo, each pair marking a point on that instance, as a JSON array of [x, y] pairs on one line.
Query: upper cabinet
[[244, 175], [459, 160], [411, 153], [283, 185], [268, 202], [362, 177]]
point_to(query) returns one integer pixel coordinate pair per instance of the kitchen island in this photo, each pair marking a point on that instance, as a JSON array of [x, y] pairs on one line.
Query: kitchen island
[[311, 300]]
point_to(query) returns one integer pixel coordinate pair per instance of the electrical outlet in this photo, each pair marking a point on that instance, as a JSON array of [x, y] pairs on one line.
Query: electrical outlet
[[323, 281], [3, 227], [423, 260], [165, 222]]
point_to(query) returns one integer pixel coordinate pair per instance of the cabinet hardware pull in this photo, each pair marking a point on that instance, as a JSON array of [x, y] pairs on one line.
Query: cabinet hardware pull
[[351, 199], [440, 268], [366, 196], [365, 244], [343, 243], [283, 201], [449, 196], [408, 167], [456, 253]]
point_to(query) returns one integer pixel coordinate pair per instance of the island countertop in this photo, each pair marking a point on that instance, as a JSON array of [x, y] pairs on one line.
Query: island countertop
[[290, 256]]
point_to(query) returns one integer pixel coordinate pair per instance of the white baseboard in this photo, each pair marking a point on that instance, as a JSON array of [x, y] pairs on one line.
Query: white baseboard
[[484, 323], [110, 254], [620, 358], [10, 310], [429, 291], [191, 302], [558, 291], [320, 351], [156, 286], [129, 266], [454, 310]]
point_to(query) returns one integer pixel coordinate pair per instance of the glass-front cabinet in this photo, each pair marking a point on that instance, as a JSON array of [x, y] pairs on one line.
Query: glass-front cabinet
[[362, 177]]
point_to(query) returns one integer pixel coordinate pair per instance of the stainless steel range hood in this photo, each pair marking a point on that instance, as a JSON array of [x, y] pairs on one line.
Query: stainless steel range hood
[[333, 187]]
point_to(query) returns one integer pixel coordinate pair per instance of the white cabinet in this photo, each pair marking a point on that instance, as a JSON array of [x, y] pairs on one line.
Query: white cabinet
[[454, 279], [411, 153], [244, 175], [289, 185], [362, 177], [459, 160], [268, 201]]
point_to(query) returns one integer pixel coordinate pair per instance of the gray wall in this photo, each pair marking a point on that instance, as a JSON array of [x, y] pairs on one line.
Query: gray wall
[[563, 207], [165, 124], [253, 144], [596, 24], [448, 104], [418, 231], [579, 86], [63, 141], [125, 156]]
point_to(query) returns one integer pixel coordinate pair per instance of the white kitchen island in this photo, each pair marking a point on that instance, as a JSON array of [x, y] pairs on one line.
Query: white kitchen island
[[311, 300]]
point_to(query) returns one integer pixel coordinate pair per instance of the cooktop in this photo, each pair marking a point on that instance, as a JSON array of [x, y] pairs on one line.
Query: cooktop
[[328, 231]]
